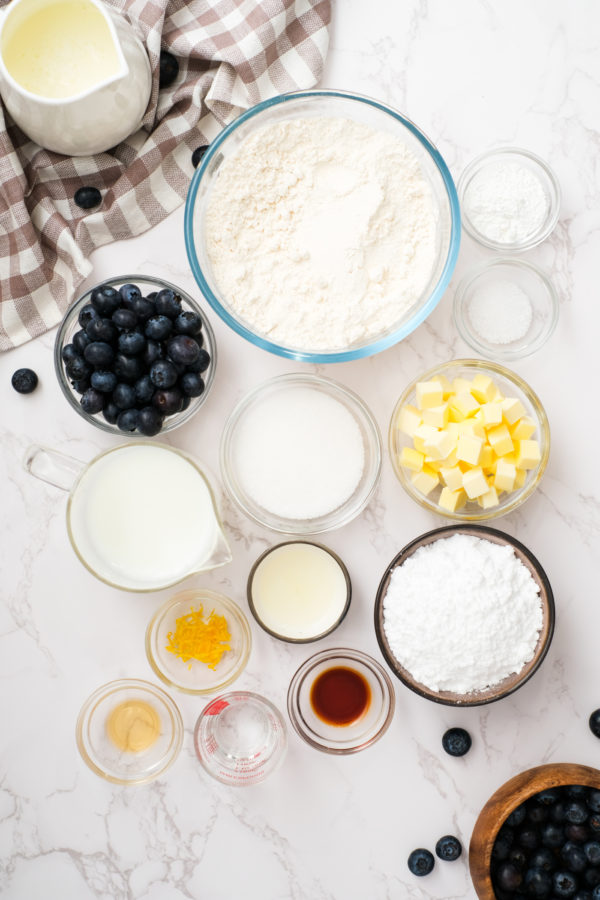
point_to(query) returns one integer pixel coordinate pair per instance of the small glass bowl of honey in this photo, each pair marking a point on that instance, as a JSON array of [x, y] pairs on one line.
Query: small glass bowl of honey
[[341, 701]]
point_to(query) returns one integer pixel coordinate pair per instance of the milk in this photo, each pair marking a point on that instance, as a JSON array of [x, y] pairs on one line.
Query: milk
[[142, 517], [60, 50]]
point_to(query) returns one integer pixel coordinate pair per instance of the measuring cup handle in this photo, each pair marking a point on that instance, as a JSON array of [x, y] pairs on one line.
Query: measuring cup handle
[[52, 467]]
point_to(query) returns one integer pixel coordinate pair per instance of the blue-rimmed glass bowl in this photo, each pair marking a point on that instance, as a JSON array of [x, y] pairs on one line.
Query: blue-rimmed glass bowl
[[328, 104]]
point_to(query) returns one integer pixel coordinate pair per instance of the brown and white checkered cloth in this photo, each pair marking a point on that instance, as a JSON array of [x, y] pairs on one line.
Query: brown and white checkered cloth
[[231, 53]]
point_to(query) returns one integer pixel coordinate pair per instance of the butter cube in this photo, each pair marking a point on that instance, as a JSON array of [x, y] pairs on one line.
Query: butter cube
[[506, 472], [489, 499], [491, 414], [461, 386], [452, 500], [512, 410], [436, 416], [520, 479], [440, 444], [411, 459], [528, 454], [500, 440], [429, 393], [425, 480], [469, 449], [452, 477], [523, 428], [434, 464], [483, 388], [409, 419], [475, 483], [464, 403], [454, 414], [486, 458], [446, 386]]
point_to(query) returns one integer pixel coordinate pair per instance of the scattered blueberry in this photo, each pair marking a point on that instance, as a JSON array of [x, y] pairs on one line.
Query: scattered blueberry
[[198, 154], [456, 741], [87, 197], [24, 381], [92, 401], [168, 69], [128, 419], [421, 862], [448, 848]]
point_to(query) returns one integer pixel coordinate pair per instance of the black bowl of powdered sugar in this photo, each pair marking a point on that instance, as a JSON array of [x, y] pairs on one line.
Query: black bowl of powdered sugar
[[464, 615]]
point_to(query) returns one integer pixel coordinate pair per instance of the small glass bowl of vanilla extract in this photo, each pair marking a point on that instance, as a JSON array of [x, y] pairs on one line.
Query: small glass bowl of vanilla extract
[[341, 701]]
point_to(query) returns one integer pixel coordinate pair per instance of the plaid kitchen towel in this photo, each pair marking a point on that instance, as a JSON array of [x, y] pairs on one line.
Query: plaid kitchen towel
[[231, 53]]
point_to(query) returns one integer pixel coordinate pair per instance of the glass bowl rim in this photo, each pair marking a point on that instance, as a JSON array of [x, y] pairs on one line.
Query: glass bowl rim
[[480, 531], [236, 612], [382, 343], [70, 316], [465, 286], [543, 424], [351, 655], [549, 223], [275, 634], [112, 687]]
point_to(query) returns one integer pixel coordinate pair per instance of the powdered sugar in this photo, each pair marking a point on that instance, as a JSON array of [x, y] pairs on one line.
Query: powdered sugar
[[321, 233], [462, 613], [506, 202]]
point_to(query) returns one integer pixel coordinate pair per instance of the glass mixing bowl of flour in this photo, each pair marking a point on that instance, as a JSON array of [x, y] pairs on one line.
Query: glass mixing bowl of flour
[[322, 226]]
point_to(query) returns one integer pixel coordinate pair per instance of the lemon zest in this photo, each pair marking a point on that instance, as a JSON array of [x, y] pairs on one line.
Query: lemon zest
[[200, 638]]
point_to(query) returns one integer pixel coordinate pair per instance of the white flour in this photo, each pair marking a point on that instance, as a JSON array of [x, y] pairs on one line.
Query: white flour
[[506, 202], [321, 233], [462, 613]]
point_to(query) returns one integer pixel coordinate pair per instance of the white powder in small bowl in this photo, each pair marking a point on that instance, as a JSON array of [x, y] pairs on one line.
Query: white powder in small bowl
[[506, 202], [500, 312], [462, 613]]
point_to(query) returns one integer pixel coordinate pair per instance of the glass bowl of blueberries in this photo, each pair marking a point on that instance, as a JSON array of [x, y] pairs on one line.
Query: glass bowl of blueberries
[[135, 354]]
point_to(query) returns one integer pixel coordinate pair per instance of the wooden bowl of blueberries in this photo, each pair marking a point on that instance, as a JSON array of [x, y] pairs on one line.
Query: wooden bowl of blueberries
[[135, 354], [539, 836]]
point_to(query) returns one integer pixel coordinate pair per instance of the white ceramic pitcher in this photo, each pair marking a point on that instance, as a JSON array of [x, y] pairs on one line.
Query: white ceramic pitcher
[[96, 118]]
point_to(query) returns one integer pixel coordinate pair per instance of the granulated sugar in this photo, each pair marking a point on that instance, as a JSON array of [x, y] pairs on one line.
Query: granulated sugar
[[462, 613], [500, 312]]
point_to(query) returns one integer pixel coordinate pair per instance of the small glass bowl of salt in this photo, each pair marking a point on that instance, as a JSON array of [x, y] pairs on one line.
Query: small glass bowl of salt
[[506, 308], [509, 199]]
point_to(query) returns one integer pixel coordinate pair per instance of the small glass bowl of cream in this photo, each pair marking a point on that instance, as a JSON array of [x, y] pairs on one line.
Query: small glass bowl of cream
[[129, 731], [509, 199], [299, 591], [506, 308], [301, 454], [341, 701]]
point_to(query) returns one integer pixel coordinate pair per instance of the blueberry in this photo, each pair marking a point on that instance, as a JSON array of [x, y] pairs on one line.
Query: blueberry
[[573, 857], [68, 352], [543, 858], [593, 800], [537, 883], [78, 368], [551, 835], [144, 389], [158, 328], [87, 197], [143, 308], [92, 401], [594, 823], [123, 396], [80, 341], [202, 363], [168, 69], [129, 293], [198, 154], [528, 838], [103, 381], [517, 816], [558, 812], [577, 792], [537, 813], [592, 852], [594, 722], [128, 420], [163, 373], [99, 354], [548, 797], [80, 385], [168, 303], [149, 421], [187, 322], [86, 314], [167, 401], [152, 352], [564, 884], [24, 381], [131, 343], [576, 812], [596, 893], [191, 385], [578, 833], [582, 895], [185, 402], [503, 844], [105, 299], [101, 330], [124, 319], [183, 349], [421, 862], [508, 877], [448, 848], [111, 412], [518, 858], [591, 877], [456, 741], [128, 368]]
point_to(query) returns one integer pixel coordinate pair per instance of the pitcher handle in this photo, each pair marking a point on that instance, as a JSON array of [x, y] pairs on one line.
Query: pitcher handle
[[53, 467]]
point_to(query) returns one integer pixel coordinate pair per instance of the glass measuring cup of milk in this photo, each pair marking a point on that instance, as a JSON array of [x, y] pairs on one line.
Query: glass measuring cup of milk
[[140, 517]]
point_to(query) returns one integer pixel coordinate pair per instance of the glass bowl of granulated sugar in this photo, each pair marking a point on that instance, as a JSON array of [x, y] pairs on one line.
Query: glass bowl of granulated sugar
[[322, 226]]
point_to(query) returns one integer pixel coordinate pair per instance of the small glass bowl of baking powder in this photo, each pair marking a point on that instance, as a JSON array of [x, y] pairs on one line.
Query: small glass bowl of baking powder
[[505, 308], [509, 199]]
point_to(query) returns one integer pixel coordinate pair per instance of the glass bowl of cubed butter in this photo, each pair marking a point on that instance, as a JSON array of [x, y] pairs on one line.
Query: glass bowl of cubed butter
[[469, 440]]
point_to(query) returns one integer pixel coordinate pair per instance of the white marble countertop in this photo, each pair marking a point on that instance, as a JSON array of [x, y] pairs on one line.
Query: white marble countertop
[[472, 75]]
